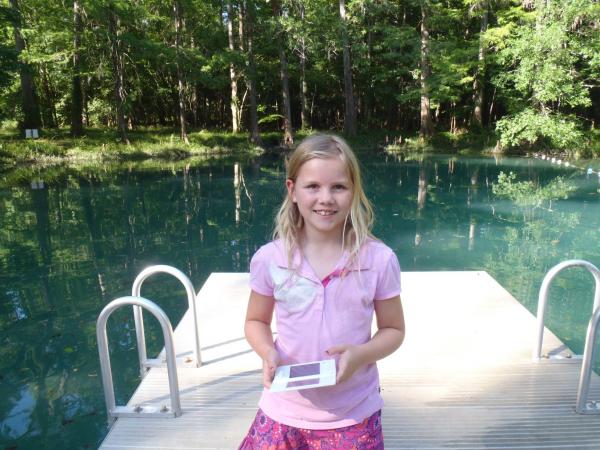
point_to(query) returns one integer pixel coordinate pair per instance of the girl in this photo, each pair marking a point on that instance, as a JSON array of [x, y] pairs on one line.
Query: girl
[[324, 275]]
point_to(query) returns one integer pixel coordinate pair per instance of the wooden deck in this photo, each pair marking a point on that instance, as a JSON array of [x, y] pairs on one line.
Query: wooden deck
[[463, 379]]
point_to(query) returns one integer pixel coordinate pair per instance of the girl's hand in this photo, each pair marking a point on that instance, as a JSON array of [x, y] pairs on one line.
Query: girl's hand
[[349, 361], [270, 363]]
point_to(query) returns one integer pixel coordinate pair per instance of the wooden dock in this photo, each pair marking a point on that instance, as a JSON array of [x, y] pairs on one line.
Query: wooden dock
[[463, 379]]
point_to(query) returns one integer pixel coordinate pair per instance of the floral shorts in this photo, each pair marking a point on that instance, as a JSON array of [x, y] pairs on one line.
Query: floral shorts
[[266, 434]]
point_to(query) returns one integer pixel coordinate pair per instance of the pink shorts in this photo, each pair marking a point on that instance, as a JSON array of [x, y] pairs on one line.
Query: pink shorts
[[266, 434]]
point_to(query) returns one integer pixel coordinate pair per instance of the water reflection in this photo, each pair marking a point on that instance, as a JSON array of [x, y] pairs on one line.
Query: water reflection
[[72, 243], [18, 421]]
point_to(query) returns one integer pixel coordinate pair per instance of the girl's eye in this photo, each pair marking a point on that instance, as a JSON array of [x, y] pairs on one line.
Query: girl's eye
[[312, 186], [339, 187]]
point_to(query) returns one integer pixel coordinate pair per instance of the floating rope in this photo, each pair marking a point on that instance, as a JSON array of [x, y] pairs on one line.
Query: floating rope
[[554, 160]]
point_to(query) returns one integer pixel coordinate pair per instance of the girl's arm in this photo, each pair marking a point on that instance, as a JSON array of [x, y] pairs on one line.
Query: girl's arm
[[257, 329], [389, 336]]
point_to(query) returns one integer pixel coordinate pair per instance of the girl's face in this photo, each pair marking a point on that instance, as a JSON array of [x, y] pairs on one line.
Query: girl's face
[[323, 192]]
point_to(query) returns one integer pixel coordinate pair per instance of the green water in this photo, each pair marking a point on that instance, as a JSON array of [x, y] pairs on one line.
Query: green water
[[77, 241]]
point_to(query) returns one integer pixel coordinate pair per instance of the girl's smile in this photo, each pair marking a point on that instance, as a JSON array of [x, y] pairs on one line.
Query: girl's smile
[[323, 193]]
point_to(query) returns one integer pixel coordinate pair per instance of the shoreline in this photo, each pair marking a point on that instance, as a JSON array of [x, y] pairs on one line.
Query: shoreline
[[102, 146]]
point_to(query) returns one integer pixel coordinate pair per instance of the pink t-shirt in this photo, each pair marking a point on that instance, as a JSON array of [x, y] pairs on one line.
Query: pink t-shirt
[[312, 317]]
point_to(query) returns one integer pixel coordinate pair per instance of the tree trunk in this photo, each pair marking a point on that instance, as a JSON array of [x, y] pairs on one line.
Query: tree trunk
[[453, 124], [47, 109], [304, 116], [480, 74], [84, 96], [304, 113], [254, 132], [117, 63], [235, 110], [368, 97], [195, 94], [76, 92], [350, 111], [288, 131], [242, 48], [426, 129], [180, 82], [29, 100]]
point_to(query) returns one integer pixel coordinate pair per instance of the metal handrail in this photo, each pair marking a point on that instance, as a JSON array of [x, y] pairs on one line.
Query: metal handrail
[[145, 363], [114, 411], [543, 298], [582, 406]]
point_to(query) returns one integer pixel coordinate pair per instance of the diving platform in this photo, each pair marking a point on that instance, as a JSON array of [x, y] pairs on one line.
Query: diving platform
[[463, 379]]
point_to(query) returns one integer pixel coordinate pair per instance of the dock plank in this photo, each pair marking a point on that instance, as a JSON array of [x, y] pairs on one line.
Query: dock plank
[[463, 379]]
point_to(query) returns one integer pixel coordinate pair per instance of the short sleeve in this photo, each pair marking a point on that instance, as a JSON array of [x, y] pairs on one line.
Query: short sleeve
[[388, 280], [260, 278]]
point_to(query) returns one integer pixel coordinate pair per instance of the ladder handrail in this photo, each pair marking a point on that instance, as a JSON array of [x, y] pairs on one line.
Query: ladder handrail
[[543, 297], [138, 317], [586, 367], [105, 366]]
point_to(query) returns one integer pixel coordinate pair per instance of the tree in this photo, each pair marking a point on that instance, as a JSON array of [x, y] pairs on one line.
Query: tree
[[76, 93], [552, 54], [178, 18], [8, 53], [350, 110], [29, 100], [251, 75], [235, 108], [118, 71], [479, 77], [426, 129], [288, 130]]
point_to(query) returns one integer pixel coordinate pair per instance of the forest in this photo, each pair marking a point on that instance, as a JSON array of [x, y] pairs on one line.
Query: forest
[[524, 72]]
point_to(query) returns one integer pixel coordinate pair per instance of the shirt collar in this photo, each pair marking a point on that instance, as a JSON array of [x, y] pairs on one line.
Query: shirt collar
[[305, 270]]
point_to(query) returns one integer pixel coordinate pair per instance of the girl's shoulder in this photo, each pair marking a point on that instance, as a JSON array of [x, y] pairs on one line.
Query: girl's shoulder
[[375, 255], [271, 251], [374, 248]]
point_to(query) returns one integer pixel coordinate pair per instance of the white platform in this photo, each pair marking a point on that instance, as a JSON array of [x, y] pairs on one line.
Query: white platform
[[463, 379]]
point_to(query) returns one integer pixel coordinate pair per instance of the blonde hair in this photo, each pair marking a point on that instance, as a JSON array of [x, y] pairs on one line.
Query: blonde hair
[[358, 224]]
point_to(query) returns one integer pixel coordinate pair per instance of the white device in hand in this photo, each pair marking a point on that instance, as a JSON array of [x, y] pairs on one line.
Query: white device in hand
[[304, 376]]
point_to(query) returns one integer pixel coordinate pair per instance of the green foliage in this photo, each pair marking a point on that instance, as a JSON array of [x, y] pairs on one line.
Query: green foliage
[[57, 147], [537, 65], [530, 127], [31, 150], [271, 118], [550, 55], [527, 194]]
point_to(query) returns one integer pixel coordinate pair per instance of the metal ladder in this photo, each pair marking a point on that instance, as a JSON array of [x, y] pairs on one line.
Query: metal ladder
[[114, 411], [139, 304], [582, 406], [145, 362]]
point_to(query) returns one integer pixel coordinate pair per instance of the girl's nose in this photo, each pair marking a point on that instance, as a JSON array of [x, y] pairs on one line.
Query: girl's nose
[[326, 196]]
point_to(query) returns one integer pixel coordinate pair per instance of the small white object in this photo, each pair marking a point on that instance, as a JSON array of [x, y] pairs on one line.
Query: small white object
[[304, 376], [567, 164], [553, 160], [34, 133], [543, 156], [590, 171], [28, 133]]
